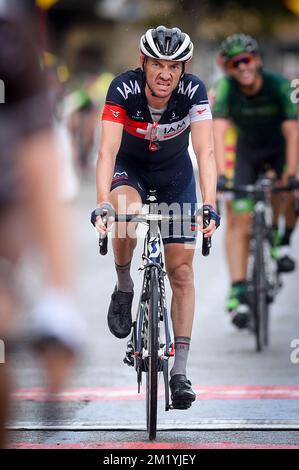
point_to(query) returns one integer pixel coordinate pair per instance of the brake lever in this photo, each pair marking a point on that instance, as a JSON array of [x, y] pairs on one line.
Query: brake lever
[[103, 239], [206, 242]]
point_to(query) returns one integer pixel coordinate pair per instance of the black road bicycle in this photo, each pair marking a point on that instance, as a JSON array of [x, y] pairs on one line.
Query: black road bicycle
[[263, 278], [150, 345]]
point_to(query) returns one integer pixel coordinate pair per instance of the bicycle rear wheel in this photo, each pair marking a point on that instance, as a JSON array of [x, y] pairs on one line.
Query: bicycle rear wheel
[[260, 297], [152, 372]]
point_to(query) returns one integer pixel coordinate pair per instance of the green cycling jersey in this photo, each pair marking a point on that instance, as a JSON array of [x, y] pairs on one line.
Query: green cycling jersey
[[257, 118]]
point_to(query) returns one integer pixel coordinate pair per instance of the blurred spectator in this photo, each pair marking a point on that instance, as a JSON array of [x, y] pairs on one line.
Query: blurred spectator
[[81, 114], [67, 153], [31, 210]]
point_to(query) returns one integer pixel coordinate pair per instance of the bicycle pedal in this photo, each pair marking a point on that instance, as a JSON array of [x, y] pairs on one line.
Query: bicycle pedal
[[129, 361], [130, 347]]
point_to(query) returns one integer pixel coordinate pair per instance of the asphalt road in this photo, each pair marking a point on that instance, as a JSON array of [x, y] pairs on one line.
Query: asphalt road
[[245, 399]]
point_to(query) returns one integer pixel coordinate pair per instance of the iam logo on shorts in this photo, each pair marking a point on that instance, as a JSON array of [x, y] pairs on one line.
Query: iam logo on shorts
[[120, 175]]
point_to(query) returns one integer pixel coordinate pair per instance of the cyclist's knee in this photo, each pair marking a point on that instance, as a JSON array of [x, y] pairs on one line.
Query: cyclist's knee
[[126, 199], [231, 216], [181, 276]]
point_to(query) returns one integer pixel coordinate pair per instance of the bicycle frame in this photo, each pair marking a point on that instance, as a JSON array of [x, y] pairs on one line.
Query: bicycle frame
[[152, 259]]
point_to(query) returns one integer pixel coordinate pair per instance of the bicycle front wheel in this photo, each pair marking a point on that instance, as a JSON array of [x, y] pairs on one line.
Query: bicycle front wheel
[[153, 347]]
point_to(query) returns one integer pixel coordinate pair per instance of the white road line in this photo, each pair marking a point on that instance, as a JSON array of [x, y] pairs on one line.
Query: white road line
[[167, 426]]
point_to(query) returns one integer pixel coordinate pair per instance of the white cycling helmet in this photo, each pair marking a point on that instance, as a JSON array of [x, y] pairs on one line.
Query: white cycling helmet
[[166, 44]]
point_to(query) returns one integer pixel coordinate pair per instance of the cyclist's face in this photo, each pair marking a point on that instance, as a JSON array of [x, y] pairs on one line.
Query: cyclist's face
[[162, 76], [244, 68]]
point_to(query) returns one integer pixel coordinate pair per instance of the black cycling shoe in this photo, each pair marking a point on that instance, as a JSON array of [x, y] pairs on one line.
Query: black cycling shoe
[[238, 307], [119, 313], [182, 395], [286, 264], [240, 316]]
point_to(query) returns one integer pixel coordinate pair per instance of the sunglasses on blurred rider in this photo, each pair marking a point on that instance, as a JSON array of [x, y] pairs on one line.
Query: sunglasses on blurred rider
[[234, 63]]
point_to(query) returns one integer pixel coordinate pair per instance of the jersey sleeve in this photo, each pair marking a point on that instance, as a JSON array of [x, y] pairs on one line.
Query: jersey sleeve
[[289, 109], [114, 108], [219, 96], [200, 108]]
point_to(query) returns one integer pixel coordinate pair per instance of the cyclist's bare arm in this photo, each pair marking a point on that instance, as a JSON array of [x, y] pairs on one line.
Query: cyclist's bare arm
[[202, 141], [111, 135], [291, 134], [220, 128]]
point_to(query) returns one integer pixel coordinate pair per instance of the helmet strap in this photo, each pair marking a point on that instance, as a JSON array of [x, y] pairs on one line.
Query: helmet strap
[[143, 63], [151, 90]]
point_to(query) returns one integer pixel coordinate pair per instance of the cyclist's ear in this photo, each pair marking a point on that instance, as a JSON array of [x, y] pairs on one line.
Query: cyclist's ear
[[185, 67], [221, 62], [259, 61], [142, 59]]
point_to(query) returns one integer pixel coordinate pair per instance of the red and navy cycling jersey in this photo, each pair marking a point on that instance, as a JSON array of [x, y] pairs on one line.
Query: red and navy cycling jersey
[[126, 104]]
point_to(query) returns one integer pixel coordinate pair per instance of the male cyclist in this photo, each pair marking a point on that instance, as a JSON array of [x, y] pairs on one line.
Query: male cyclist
[[146, 121], [258, 103]]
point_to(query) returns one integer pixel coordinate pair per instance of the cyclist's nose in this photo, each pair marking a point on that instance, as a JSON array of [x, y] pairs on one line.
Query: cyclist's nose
[[165, 74], [242, 66]]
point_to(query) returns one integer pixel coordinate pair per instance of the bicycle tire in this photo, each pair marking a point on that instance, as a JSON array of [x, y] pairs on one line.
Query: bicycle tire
[[260, 297], [267, 307], [152, 372]]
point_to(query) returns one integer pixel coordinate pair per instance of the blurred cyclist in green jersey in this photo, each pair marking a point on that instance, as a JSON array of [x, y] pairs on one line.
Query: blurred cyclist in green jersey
[[258, 104]]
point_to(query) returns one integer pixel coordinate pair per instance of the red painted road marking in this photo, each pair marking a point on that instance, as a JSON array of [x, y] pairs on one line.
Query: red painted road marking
[[130, 393], [149, 445]]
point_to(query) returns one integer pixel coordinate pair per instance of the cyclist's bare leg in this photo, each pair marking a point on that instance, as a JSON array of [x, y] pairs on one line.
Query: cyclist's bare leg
[[124, 199], [289, 211], [277, 208], [179, 259], [283, 205], [240, 246], [180, 273]]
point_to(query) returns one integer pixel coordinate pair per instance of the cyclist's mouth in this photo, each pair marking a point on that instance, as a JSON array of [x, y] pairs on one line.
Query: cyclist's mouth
[[163, 85], [246, 75]]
